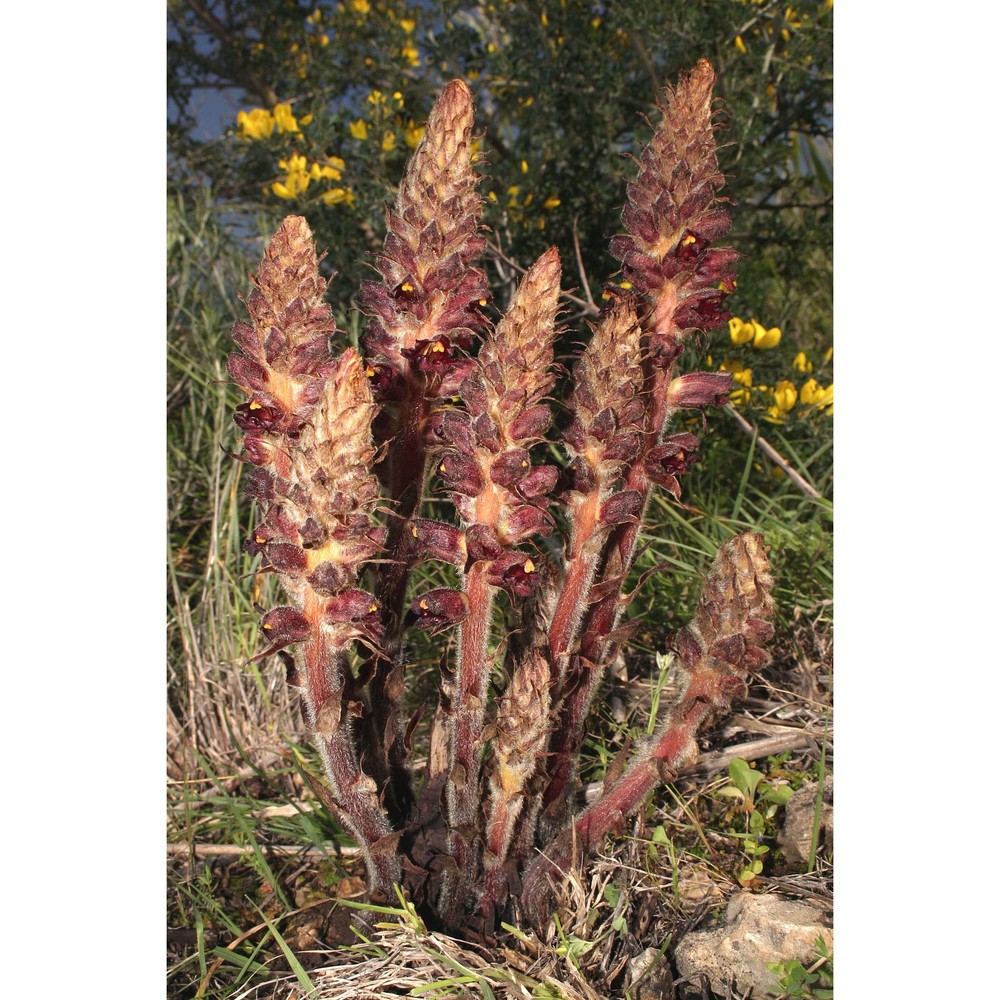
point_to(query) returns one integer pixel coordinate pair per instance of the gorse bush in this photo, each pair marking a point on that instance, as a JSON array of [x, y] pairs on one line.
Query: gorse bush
[[349, 447], [326, 101]]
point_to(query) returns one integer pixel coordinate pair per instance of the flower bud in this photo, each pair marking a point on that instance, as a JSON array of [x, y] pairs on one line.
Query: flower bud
[[670, 459], [437, 540], [439, 609], [250, 375], [514, 572], [460, 474], [481, 542], [284, 625], [698, 389], [350, 605], [624, 506]]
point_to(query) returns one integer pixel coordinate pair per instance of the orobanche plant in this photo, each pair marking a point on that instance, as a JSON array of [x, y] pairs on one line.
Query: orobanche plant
[[347, 447]]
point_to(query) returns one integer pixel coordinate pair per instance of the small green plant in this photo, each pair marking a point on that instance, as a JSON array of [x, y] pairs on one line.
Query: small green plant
[[759, 812], [797, 982]]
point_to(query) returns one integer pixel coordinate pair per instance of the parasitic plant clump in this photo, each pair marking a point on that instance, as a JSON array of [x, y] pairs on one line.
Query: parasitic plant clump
[[346, 446]]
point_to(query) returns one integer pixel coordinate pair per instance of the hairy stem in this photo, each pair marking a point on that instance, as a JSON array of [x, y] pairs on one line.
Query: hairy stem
[[465, 737]]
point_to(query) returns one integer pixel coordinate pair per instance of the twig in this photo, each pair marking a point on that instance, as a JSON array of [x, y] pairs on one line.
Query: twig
[[238, 850], [580, 267], [768, 450], [709, 763], [586, 308]]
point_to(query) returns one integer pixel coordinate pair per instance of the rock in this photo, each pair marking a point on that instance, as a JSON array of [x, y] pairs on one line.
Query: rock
[[647, 981], [796, 833], [695, 885], [756, 930]]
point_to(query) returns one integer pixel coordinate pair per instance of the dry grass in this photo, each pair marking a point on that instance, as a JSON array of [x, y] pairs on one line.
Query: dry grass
[[632, 904]]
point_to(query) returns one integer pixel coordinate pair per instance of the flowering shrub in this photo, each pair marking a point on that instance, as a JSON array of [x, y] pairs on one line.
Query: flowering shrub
[[777, 400], [343, 444]]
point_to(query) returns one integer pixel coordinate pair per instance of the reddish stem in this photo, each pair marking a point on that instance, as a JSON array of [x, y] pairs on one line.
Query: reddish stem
[[326, 675], [466, 734], [384, 739]]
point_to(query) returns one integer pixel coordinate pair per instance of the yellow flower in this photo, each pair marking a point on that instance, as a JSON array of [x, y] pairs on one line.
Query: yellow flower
[[413, 133], [360, 6], [388, 141], [763, 339], [407, 24], [376, 98], [296, 163], [287, 191], [551, 203], [785, 395], [284, 118], [296, 178], [411, 54], [740, 45], [332, 170], [828, 355], [813, 395], [741, 374], [337, 196], [524, 166], [802, 363], [359, 129], [256, 124], [740, 332]]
